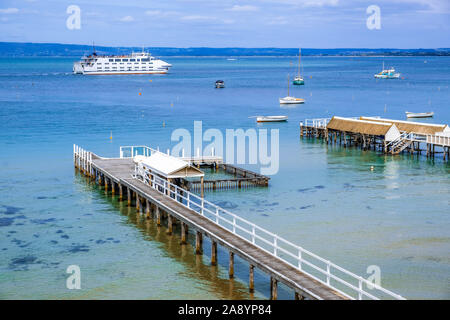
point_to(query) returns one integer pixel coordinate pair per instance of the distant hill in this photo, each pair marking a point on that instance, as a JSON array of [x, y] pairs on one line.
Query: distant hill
[[18, 49]]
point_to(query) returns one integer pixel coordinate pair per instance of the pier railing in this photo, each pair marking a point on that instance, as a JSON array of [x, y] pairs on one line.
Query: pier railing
[[132, 151], [322, 270], [439, 140], [320, 123], [82, 159]]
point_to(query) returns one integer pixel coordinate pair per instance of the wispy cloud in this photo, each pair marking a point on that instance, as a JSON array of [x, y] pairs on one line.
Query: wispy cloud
[[9, 10], [278, 21], [198, 18], [320, 3], [243, 8], [127, 19], [153, 12]]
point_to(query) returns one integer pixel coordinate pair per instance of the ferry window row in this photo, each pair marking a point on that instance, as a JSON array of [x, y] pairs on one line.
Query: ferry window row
[[126, 60]]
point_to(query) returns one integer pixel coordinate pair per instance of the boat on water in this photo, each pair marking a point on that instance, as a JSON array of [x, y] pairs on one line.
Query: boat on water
[[298, 80], [387, 74], [134, 63], [271, 118], [291, 100], [419, 114], [220, 84]]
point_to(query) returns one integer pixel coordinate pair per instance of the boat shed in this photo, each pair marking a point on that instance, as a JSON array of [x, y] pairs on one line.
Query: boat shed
[[410, 126], [169, 168], [387, 131]]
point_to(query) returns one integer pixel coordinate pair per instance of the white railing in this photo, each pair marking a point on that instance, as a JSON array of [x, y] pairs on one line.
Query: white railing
[[82, 159], [316, 267], [320, 123], [441, 140], [400, 139], [132, 151]]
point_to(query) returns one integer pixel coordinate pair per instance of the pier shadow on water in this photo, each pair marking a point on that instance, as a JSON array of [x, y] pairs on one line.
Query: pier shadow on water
[[213, 279]]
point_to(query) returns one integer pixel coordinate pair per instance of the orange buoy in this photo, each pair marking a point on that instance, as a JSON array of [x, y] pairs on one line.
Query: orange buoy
[[140, 93]]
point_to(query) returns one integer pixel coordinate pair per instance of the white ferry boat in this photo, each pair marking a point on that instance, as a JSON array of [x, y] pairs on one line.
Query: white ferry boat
[[135, 63]]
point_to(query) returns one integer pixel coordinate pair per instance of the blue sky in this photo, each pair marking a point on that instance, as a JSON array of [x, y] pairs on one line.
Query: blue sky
[[226, 23]]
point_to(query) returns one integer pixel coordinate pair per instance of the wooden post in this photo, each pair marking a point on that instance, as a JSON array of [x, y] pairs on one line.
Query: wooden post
[[138, 205], [202, 190], [198, 243], [298, 296], [273, 288], [113, 191], [169, 224], [120, 192], [231, 266], [128, 196], [106, 184], [251, 282], [147, 209], [158, 216], [213, 253], [183, 233]]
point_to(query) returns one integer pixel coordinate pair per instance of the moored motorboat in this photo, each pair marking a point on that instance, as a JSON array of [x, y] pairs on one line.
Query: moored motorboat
[[220, 84], [419, 114], [271, 118], [387, 74]]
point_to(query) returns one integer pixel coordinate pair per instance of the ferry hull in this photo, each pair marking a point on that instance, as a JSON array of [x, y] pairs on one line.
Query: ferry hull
[[122, 73]]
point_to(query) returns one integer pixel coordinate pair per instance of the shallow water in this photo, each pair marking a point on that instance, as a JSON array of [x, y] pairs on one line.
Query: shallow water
[[324, 198]]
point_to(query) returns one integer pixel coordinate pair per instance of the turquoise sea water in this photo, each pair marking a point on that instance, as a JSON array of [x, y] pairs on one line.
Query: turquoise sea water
[[324, 198]]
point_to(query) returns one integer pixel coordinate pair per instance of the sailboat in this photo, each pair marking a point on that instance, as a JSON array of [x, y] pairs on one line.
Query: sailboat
[[298, 80], [291, 100]]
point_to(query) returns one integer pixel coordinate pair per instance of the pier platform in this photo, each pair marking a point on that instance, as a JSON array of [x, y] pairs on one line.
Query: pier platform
[[310, 276], [388, 136]]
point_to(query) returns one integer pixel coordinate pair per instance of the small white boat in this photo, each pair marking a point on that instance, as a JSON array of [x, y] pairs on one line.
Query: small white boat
[[419, 114], [271, 118], [291, 100]]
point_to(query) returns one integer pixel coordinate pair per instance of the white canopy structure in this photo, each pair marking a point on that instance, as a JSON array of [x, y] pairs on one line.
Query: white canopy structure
[[168, 167]]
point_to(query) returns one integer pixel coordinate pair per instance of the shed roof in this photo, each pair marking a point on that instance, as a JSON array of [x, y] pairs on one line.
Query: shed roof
[[359, 126], [409, 126], [168, 166]]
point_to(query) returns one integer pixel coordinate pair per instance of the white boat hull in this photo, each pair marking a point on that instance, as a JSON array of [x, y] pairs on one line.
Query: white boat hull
[[272, 119], [291, 100], [419, 115]]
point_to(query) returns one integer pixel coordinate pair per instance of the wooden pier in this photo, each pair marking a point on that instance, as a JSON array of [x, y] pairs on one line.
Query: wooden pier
[[384, 135], [243, 178], [309, 275]]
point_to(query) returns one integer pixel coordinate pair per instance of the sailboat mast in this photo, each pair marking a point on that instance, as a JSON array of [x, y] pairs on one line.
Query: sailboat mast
[[299, 55], [288, 84]]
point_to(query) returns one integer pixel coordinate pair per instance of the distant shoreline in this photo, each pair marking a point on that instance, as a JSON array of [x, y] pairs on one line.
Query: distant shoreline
[[19, 49]]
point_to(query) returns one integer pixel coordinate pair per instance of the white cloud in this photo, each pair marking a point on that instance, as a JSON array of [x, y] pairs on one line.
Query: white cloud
[[153, 12], [278, 21], [127, 19], [9, 10], [243, 8], [320, 3], [198, 18]]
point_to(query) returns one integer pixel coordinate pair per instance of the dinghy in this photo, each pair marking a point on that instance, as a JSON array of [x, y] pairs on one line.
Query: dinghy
[[271, 118], [419, 114]]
